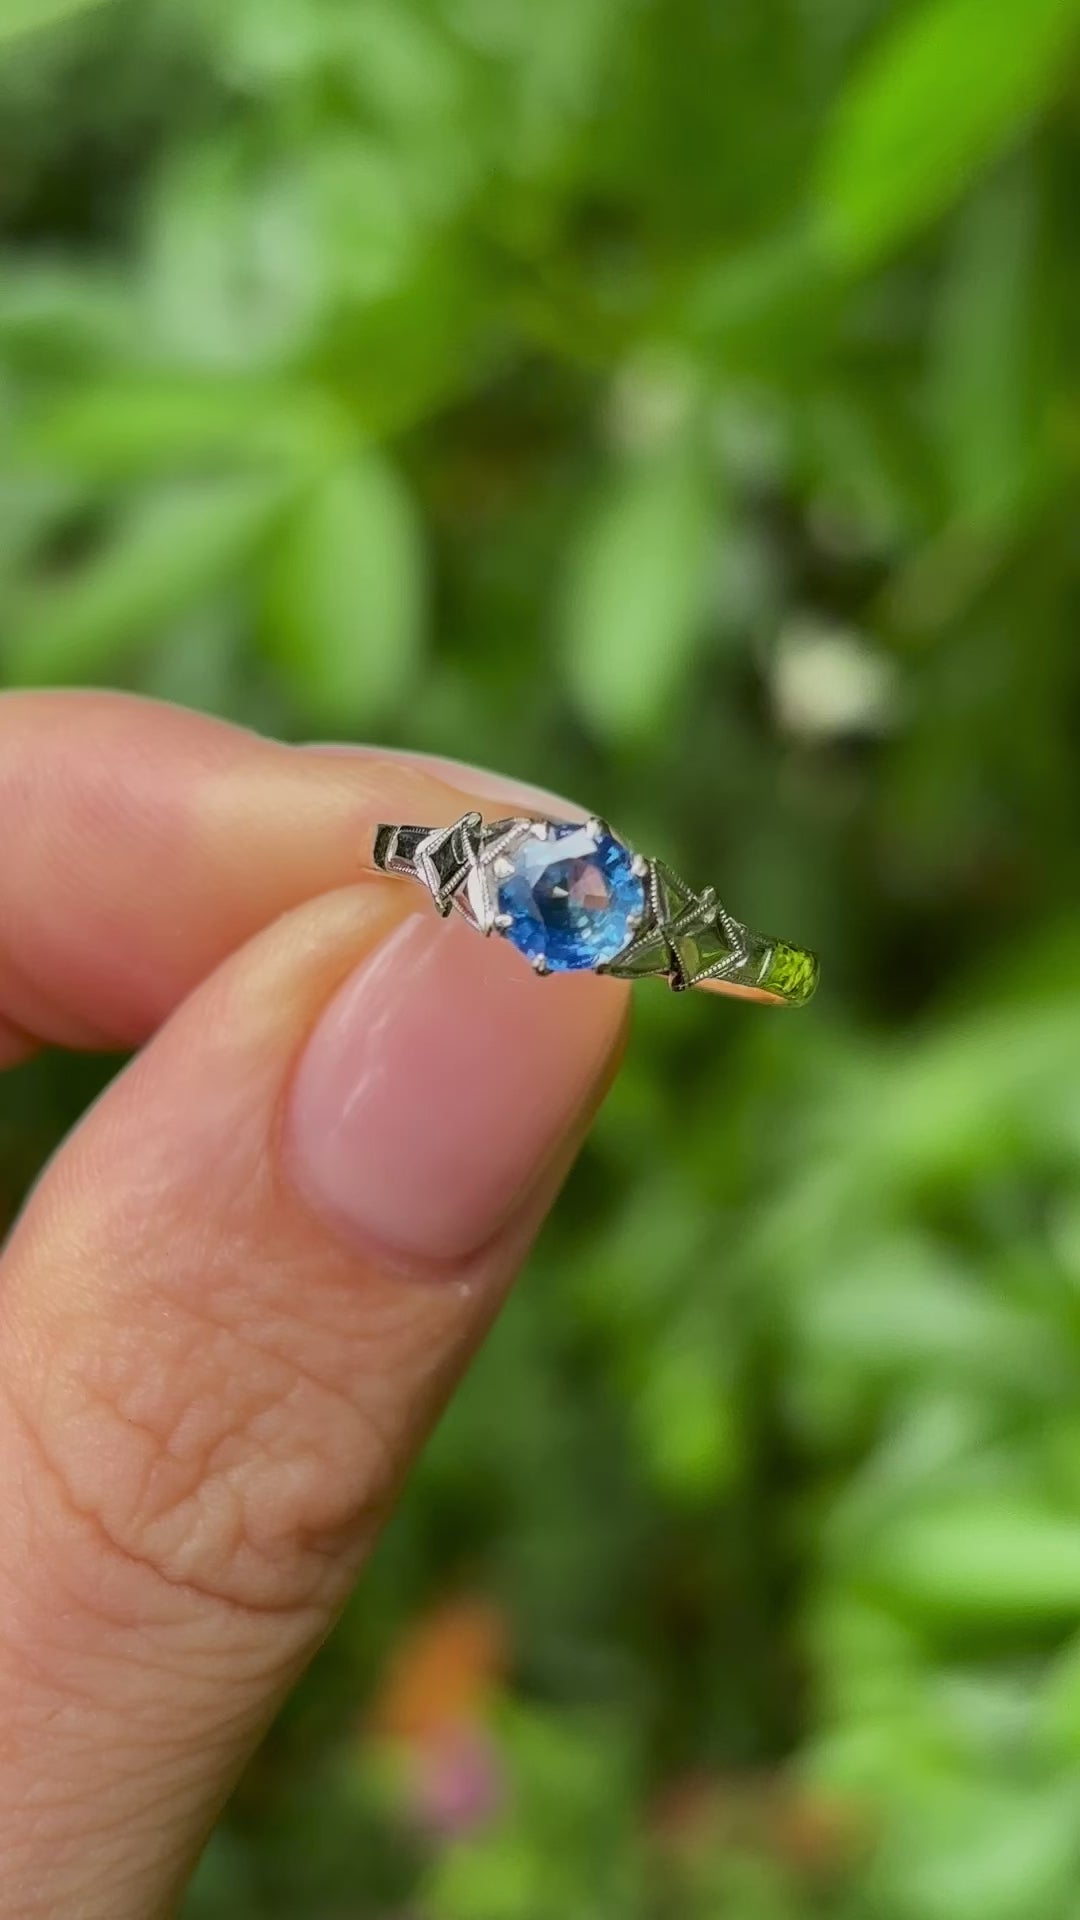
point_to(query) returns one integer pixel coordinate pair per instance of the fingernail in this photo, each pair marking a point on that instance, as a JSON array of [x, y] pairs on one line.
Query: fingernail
[[438, 1084]]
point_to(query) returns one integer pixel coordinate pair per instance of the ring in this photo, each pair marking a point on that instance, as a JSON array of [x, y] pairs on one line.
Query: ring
[[572, 895]]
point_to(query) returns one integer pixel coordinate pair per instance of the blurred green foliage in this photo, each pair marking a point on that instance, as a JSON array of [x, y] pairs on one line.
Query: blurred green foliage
[[676, 402]]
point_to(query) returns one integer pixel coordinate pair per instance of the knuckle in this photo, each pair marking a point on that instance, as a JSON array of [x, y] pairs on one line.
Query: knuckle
[[209, 1458]]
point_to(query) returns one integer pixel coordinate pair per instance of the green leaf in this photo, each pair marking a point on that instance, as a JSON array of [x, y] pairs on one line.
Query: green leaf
[[19, 17], [688, 1421], [122, 430], [952, 83], [1057, 1725], [234, 266], [989, 376], [966, 1850], [637, 592], [903, 1307], [563, 55], [160, 563], [981, 1559], [345, 595]]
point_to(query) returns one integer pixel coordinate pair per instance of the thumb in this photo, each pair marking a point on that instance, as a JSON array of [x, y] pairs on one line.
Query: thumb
[[227, 1319]]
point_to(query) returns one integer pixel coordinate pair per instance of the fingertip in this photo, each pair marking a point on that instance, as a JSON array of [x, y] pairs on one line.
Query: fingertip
[[439, 1083]]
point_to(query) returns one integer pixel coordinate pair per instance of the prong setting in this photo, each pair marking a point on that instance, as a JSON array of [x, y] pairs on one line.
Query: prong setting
[[581, 898]]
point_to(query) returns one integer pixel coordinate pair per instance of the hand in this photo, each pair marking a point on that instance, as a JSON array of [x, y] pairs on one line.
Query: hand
[[245, 1286]]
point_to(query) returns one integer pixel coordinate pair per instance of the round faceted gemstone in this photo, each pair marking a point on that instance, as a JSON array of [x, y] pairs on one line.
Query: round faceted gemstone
[[571, 897]]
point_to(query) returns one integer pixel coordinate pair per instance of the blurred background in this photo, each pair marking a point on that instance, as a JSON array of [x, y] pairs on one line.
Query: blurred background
[[677, 403]]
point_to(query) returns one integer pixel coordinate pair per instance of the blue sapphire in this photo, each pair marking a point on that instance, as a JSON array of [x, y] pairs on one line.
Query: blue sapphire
[[571, 897]]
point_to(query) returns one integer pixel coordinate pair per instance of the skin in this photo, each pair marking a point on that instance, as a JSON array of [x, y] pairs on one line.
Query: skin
[[244, 1288]]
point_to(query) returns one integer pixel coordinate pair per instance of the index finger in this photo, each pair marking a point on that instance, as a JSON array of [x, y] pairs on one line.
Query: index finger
[[142, 844]]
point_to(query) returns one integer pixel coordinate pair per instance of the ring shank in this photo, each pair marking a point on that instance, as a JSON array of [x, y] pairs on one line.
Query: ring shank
[[395, 849], [786, 976]]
